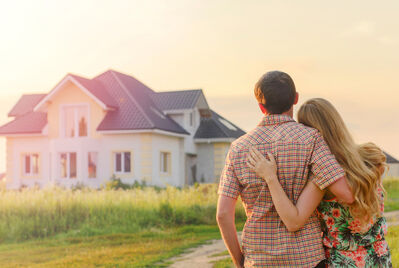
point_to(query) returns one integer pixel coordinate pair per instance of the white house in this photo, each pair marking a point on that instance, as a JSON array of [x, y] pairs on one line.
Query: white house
[[84, 131], [393, 166]]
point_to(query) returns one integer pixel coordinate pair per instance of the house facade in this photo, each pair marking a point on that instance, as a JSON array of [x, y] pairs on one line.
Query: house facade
[[393, 166], [85, 131]]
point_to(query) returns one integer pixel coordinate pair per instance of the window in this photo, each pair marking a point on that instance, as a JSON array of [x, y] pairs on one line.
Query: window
[[75, 121], [92, 165], [68, 165], [165, 162], [122, 162], [31, 164]]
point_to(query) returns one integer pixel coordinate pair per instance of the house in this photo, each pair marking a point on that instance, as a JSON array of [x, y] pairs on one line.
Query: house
[[393, 166], [84, 131]]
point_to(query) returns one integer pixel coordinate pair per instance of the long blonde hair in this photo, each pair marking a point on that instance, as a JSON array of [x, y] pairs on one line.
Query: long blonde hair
[[359, 162]]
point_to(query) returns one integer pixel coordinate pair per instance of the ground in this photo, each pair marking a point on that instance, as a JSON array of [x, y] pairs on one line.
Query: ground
[[214, 255]]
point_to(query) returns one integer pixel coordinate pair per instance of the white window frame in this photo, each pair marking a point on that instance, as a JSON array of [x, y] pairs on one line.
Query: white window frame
[[30, 155], [76, 121], [68, 165], [168, 163], [122, 153]]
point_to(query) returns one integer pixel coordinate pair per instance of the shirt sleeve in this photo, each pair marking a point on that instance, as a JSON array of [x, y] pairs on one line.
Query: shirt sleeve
[[324, 166], [229, 185]]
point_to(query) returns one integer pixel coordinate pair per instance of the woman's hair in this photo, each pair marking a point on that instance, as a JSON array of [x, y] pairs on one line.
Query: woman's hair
[[363, 164]]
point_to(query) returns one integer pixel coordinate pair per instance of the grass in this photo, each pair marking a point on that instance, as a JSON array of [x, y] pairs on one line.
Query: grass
[[144, 249], [391, 186], [393, 242], [33, 213], [117, 228]]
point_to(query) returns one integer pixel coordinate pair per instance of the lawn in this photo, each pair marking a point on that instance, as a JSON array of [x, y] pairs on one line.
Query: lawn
[[143, 249], [136, 227], [391, 186]]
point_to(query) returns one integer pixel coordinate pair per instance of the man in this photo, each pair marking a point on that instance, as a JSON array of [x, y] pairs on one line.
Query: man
[[300, 151]]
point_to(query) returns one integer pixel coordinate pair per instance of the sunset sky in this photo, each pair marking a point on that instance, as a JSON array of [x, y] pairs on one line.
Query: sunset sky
[[345, 51]]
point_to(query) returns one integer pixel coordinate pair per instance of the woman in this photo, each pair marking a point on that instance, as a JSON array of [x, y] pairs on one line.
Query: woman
[[353, 236]]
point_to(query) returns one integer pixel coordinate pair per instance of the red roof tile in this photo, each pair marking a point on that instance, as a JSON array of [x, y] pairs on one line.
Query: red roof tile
[[97, 89], [26, 104], [29, 123]]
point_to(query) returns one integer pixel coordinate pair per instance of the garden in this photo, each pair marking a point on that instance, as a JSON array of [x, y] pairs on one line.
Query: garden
[[119, 225]]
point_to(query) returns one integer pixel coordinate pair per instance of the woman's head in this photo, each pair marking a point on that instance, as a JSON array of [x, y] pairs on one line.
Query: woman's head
[[355, 160]]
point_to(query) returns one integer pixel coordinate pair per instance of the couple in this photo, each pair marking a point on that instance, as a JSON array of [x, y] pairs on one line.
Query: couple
[[284, 170]]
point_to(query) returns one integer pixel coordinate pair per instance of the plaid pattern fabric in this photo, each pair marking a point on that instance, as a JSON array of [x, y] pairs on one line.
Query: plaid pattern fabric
[[299, 152]]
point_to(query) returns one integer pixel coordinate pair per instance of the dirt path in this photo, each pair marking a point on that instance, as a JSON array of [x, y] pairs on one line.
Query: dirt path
[[201, 257]]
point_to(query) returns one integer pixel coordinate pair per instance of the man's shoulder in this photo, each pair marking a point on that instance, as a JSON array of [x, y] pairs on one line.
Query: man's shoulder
[[300, 131], [293, 131]]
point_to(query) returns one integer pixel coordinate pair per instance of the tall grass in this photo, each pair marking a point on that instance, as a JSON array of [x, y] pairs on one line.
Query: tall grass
[[34, 213], [391, 186]]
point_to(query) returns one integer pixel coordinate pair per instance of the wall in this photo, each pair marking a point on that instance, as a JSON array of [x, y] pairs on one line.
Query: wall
[[205, 162], [17, 146], [220, 152], [393, 170], [173, 145]]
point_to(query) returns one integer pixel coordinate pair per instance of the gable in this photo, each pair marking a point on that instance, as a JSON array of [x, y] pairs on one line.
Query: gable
[[201, 102], [71, 94], [93, 89]]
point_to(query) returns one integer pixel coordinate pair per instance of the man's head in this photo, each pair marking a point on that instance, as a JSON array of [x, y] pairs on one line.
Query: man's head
[[276, 91]]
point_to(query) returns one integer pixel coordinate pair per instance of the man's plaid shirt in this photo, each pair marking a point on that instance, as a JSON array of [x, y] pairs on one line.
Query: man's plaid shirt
[[300, 151]]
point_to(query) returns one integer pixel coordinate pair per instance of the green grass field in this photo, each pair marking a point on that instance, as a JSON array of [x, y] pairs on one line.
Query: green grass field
[[142, 249], [391, 186], [116, 228]]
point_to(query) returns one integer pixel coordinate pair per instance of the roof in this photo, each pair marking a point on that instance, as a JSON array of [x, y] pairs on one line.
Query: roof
[[30, 123], [92, 88], [26, 104], [129, 105], [216, 126], [176, 100], [97, 89], [391, 159], [136, 110]]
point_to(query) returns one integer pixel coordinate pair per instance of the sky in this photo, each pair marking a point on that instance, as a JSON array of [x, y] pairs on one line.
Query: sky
[[344, 51]]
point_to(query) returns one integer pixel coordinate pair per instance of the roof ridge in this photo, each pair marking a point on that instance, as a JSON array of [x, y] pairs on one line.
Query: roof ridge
[[132, 98], [34, 94], [178, 90]]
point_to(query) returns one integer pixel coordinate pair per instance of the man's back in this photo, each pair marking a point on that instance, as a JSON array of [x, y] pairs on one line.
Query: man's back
[[299, 151]]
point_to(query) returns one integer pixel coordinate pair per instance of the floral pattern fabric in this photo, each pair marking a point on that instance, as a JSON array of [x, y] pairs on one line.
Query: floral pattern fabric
[[348, 243]]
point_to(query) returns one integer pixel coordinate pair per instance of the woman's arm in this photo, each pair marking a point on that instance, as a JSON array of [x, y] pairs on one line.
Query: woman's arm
[[293, 216]]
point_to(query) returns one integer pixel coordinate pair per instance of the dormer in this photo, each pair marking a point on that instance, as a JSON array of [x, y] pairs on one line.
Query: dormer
[[75, 107], [182, 106]]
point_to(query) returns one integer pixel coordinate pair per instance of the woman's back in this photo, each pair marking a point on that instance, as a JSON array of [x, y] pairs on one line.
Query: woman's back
[[349, 243]]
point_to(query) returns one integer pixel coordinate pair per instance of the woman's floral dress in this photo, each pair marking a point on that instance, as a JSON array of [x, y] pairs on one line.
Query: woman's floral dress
[[347, 243]]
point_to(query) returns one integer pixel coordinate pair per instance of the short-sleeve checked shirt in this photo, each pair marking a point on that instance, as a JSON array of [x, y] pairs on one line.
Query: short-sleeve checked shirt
[[299, 151]]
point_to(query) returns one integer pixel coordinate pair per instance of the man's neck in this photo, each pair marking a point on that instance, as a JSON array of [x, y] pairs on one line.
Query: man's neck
[[290, 113]]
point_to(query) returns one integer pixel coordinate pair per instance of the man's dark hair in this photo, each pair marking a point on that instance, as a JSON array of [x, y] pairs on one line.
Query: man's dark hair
[[277, 89]]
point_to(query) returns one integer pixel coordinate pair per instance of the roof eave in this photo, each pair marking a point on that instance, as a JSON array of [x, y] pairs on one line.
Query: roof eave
[[139, 131], [67, 78], [213, 140]]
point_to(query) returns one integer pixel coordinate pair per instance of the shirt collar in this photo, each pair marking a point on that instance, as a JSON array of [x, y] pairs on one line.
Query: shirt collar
[[274, 119]]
